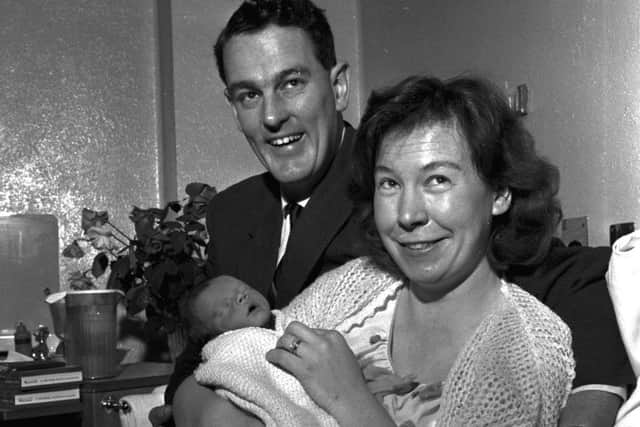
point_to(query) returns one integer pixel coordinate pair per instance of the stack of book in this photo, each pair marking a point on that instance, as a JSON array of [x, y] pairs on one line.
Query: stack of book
[[38, 384]]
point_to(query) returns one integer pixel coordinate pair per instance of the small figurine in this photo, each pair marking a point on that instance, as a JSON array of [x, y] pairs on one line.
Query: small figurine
[[41, 351]]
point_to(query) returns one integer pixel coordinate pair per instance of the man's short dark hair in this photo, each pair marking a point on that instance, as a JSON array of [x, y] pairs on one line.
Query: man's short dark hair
[[256, 15]]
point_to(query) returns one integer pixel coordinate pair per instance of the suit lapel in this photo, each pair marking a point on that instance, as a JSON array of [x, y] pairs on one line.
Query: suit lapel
[[262, 237], [322, 218]]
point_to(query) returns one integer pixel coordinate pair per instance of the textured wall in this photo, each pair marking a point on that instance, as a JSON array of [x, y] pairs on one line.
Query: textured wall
[[209, 146], [580, 59], [78, 119], [79, 122]]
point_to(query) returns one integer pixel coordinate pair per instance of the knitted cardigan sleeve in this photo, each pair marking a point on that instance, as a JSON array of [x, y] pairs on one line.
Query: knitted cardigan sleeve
[[516, 370]]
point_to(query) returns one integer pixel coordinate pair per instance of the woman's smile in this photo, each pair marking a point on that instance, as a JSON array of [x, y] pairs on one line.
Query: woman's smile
[[419, 246]]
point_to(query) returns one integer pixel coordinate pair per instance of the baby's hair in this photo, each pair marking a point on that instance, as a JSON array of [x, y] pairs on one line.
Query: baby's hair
[[196, 328]]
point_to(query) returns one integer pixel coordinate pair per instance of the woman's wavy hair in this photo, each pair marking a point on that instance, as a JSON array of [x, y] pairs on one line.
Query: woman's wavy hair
[[502, 152]]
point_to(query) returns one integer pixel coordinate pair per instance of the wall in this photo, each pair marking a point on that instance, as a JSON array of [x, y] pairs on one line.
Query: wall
[[580, 59], [78, 110], [209, 146]]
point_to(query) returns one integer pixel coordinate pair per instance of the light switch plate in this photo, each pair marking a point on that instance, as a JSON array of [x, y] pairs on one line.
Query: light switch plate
[[575, 231]]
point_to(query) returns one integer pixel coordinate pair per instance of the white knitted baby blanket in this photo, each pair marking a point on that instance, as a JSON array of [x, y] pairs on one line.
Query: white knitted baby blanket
[[235, 363]]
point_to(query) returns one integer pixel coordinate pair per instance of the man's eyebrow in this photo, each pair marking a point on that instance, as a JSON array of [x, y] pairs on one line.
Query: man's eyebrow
[[279, 77], [301, 70], [242, 84]]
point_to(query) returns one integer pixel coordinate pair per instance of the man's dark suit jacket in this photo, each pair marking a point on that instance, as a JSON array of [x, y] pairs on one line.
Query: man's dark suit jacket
[[570, 281], [244, 222]]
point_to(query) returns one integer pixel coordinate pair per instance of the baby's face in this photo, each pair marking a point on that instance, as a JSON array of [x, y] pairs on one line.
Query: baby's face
[[228, 303]]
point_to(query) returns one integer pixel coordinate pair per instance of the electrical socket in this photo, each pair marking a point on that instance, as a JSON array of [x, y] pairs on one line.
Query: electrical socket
[[575, 231]]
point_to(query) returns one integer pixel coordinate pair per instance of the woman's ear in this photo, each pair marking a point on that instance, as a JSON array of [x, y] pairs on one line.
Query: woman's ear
[[339, 75], [501, 201]]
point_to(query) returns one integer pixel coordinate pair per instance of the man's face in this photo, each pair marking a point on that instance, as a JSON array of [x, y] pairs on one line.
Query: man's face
[[228, 304], [285, 102]]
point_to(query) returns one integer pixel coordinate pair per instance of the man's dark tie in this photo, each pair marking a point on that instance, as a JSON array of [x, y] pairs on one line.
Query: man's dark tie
[[291, 213]]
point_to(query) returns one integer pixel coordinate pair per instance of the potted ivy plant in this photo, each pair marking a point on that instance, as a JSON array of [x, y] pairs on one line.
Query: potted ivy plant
[[157, 266]]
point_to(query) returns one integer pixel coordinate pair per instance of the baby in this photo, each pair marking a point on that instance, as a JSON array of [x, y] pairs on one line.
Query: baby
[[240, 327], [223, 304]]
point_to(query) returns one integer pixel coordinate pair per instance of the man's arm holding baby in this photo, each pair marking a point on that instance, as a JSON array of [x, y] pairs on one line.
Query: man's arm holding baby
[[186, 363], [199, 406]]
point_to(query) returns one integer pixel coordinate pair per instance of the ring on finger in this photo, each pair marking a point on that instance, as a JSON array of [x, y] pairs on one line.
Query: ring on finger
[[293, 347]]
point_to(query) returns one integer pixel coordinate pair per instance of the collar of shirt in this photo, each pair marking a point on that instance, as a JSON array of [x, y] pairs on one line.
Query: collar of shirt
[[284, 202], [285, 231]]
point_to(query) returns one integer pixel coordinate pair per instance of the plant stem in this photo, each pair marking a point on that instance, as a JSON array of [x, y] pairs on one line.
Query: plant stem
[[119, 240], [119, 231], [122, 250]]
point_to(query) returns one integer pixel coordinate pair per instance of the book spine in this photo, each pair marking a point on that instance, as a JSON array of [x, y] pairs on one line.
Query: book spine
[[32, 381], [47, 396]]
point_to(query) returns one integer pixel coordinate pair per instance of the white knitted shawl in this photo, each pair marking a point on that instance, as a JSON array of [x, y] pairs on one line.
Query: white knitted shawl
[[516, 370]]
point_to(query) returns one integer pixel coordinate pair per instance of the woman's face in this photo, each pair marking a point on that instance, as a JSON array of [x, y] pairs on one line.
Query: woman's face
[[432, 210]]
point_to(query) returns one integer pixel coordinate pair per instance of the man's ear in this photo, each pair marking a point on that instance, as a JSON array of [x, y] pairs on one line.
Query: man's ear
[[501, 201], [340, 82], [227, 97]]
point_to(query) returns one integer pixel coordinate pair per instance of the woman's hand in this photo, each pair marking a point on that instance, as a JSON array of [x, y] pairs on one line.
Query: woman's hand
[[329, 372]]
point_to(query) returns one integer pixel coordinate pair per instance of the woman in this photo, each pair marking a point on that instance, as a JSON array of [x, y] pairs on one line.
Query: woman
[[451, 192]]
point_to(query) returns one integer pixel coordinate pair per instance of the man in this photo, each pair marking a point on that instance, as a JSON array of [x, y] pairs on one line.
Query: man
[[287, 92]]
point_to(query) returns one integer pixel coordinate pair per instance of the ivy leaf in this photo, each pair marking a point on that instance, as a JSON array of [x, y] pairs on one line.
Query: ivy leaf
[[195, 188], [79, 281], [91, 218], [121, 267], [99, 266], [199, 197], [194, 226], [174, 206], [157, 274], [137, 299], [101, 237], [73, 251], [178, 242], [173, 225], [143, 222]]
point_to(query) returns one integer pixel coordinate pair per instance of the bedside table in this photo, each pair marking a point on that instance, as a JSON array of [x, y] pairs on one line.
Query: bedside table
[[135, 378], [66, 414]]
